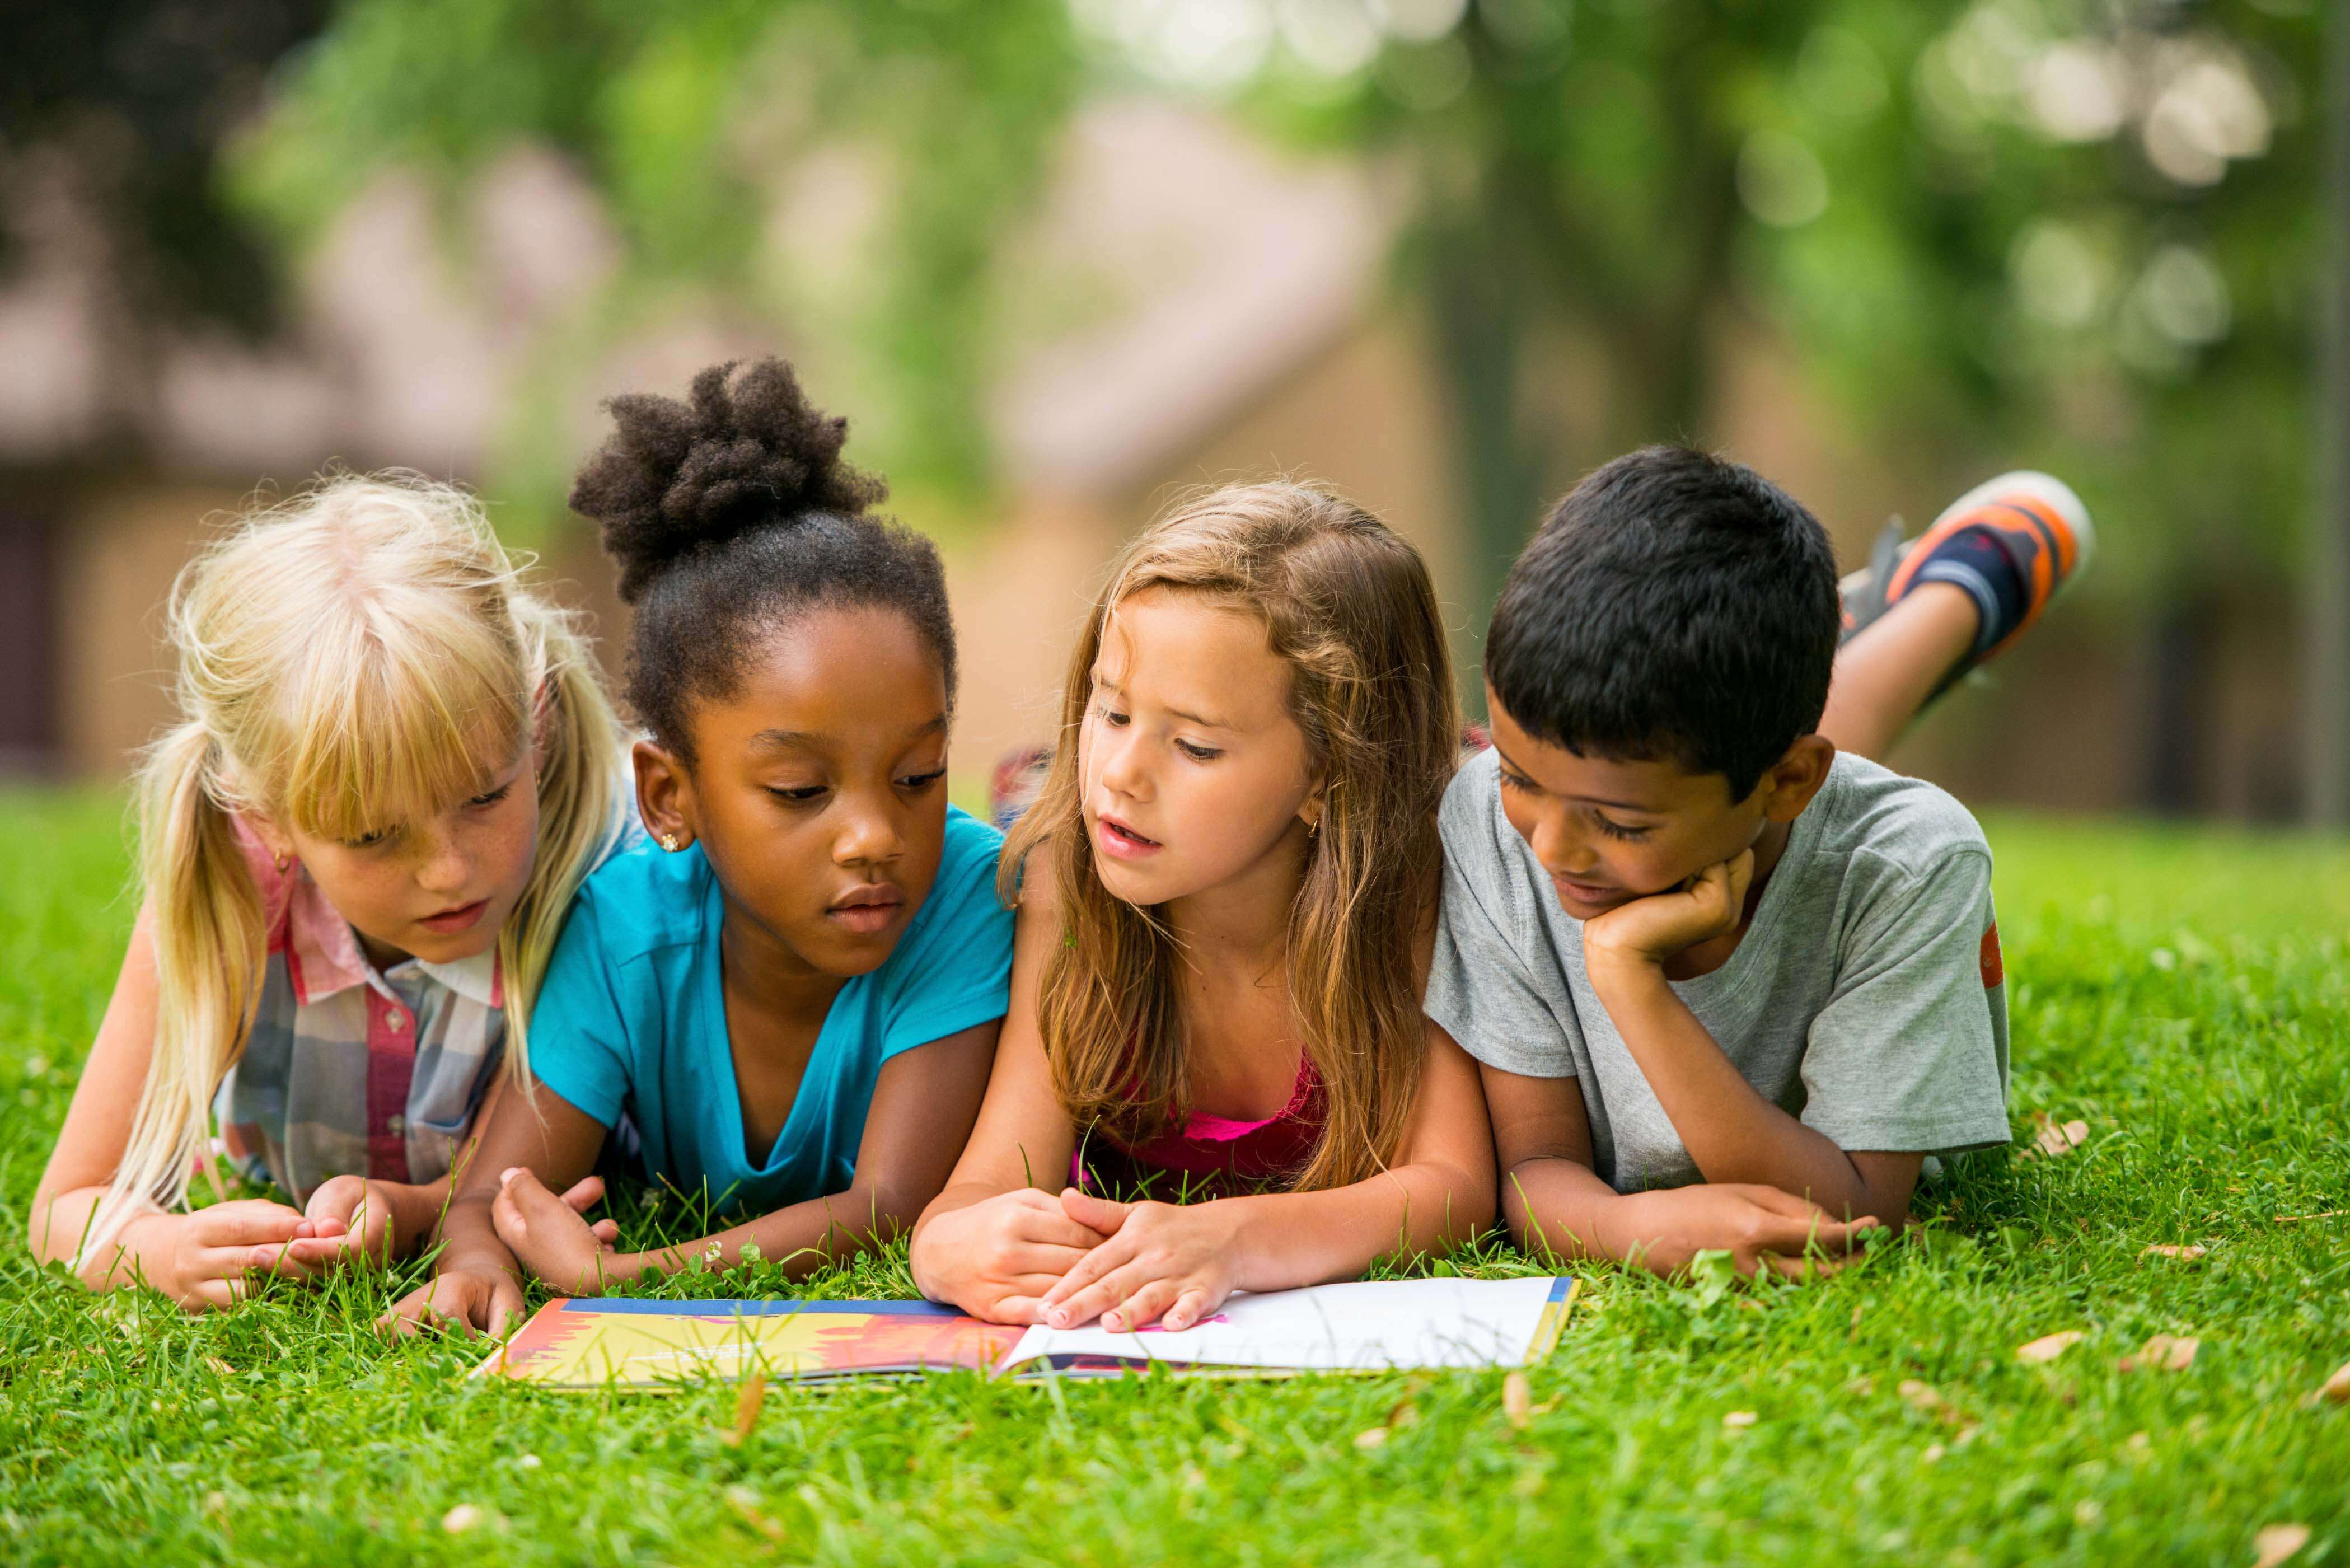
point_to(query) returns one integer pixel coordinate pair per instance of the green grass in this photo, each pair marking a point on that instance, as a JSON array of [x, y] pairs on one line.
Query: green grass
[[2183, 992]]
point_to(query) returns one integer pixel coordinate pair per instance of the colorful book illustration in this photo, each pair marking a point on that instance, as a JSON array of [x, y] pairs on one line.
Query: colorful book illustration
[[1401, 1324]]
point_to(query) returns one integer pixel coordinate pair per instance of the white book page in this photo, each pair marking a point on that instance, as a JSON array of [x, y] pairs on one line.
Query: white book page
[[1396, 1324]]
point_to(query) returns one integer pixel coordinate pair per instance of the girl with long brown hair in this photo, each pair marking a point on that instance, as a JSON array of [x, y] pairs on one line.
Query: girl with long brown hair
[[1227, 893]]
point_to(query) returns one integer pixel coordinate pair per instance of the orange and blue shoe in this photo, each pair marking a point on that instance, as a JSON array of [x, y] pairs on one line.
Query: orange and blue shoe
[[2014, 544]]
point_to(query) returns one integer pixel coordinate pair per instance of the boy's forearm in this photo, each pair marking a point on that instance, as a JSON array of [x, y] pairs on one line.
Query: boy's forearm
[[1730, 1131], [1561, 1205]]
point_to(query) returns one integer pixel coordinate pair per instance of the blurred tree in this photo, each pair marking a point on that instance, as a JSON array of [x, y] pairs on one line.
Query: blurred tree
[[851, 161], [114, 114], [2076, 232]]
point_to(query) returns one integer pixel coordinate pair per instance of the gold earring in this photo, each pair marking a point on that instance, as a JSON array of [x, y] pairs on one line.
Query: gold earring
[[283, 862], [669, 842]]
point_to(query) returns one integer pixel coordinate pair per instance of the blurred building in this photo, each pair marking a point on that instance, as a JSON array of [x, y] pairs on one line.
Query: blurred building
[[1241, 326]]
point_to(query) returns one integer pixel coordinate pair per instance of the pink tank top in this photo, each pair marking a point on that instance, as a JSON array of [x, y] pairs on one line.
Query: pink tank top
[[1212, 1156]]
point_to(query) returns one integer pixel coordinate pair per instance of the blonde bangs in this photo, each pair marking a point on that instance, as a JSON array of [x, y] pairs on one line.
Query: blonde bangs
[[396, 724]]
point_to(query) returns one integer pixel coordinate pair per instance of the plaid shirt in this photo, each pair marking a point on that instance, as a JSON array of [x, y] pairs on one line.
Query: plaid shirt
[[351, 1069]]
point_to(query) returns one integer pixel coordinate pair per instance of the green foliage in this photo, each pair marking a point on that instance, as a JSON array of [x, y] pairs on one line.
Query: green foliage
[[2077, 234], [692, 120], [2186, 993], [129, 102]]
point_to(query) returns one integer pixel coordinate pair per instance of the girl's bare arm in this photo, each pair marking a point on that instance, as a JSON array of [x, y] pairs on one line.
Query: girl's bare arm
[[199, 1260], [1176, 1263], [923, 1105], [996, 1238]]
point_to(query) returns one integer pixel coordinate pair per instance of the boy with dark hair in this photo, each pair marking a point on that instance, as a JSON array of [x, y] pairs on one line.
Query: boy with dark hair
[[1730, 988]]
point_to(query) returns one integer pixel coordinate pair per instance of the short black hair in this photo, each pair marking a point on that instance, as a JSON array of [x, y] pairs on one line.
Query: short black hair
[[731, 515], [1674, 606]]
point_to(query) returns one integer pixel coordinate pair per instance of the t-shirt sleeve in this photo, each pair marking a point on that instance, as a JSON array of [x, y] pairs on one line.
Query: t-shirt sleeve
[[956, 969], [578, 1036], [1479, 987], [1909, 1054]]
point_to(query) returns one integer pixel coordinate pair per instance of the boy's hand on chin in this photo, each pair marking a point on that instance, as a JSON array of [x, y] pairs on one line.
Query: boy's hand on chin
[[550, 1235], [1162, 1263], [997, 1258], [1647, 932], [1760, 1227]]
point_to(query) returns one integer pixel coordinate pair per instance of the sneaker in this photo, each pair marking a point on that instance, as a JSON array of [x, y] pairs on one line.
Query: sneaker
[[2014, 544]]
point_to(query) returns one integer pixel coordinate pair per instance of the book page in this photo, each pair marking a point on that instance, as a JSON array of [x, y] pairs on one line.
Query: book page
[[1358, 1328]]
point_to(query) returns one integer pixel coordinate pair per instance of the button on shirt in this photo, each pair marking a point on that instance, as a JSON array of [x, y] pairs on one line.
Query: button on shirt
[[351, 1069]]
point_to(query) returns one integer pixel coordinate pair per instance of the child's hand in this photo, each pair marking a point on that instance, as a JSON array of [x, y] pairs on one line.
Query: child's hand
[[1651, 929], [208, 1260], [461, 1301], [1760, 1227], [549, 1234], [997, 1258], [351, 1220], [1162, 1263]]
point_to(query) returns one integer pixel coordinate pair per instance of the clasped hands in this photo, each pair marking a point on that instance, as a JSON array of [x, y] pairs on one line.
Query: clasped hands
[[1031, 1257]]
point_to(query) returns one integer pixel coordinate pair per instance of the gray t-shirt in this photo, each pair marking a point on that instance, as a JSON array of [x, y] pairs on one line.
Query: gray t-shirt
[[1866, 998]]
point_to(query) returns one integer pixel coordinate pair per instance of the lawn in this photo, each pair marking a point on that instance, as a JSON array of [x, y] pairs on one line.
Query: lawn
[[2183, 994]]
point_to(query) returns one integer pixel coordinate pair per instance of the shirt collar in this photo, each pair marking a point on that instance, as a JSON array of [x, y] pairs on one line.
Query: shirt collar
[[475, 979]]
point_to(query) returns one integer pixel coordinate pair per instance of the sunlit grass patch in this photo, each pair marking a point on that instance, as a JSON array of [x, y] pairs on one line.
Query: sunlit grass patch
[[2181, 994]]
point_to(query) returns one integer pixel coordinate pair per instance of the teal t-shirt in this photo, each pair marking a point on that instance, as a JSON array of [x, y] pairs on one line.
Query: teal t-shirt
[[633, 1019]]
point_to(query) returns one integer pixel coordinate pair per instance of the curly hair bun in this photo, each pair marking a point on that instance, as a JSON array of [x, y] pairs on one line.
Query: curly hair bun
[[745, 452]]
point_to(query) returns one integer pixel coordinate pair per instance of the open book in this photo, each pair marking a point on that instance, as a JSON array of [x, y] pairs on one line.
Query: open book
[[603, 1342]]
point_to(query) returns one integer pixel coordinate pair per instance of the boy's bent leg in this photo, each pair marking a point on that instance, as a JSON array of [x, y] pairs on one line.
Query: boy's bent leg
[[1994, 562], [1884, 675]]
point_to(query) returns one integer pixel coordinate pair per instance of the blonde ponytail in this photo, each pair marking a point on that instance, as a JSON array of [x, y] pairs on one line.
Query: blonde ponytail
[[577, 786], [362, 655], [208, 938]]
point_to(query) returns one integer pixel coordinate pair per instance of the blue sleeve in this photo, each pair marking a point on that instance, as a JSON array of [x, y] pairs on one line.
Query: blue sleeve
[[579, 1029], [955, 969]]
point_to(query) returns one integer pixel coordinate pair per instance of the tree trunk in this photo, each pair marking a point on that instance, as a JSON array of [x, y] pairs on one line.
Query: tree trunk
[[2325, 671], [1481, 314]]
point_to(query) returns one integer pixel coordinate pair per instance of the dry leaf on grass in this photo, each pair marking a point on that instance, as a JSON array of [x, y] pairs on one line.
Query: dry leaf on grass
[[2302, 1219], [1738, 1419], [1921, 1397], [2048, 1347], [1370, 1438], [460, 1519], [2337, 1388], [2052, 1138], [747, 1405], [217, 1364], [2277, 1543], [1518, 1400], [2163, 1353], [745, 1502], [2185, 1254]]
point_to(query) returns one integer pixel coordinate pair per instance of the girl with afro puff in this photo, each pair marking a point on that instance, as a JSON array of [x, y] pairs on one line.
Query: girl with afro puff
[[790, 994]]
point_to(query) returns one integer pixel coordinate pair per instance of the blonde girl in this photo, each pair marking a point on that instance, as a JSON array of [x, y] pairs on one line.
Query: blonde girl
[[392, 766], [1227, 895]]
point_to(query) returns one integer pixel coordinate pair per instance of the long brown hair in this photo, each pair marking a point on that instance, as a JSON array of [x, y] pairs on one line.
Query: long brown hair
[[1346, 604]]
